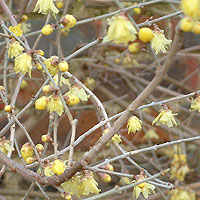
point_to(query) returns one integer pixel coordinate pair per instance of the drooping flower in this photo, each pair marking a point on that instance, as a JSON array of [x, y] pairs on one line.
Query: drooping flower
[[16, 30], [116, 139], [52, 65], [181, 193], [46, 6], [120, 30], [80, 92], [165, 117], [191, 8], [159, 43], [55, 104], [195, 104], [144, 188], [179, 167], [15, 49], [134, 124], [81, 185], [23, 64]]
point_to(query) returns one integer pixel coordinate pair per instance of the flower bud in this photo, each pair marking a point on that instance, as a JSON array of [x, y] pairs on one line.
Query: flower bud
[[48, 89], [26, 150], [39, 147], [71, 99], [58, 167], [8, 108], [30, 160], [46, 138], [59, 4], [63, 66], [39, 66], [68, 21], [41, 103], [196, 28], [134, 47], [145, 34], [47, 29], [40, 52], [186, 24], [23, 84], [24, 18], [105, 177]]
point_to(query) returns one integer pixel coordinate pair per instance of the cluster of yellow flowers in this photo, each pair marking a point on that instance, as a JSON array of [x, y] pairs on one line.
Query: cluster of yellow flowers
[[81, 184], [27, 152], [121, 30], [192, 11], [179, 167], [181, 193], [53, 102]]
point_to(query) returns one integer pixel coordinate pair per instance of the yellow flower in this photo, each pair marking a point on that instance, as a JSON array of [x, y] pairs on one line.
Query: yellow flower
[[55, 105], [120, 30], [58, 167], [15, 49], [89, 185], [23, 64], [182, 194], [165, 117], [151, 134], [81, 185], [16, 30], [134, 124], [46, 6], [41, 103], [179, 167], [144, 188], [116, 139], [26, 150], [68, 21], [52, 65], [159, 43], [191, 8], [195, 104]]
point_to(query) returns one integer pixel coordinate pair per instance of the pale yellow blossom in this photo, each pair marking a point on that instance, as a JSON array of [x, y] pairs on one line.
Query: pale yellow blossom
[[120, 30], [165, 117], [159, 43], [134, 124], [15, 49], [23, 64], [55, 104], [46, 6]]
